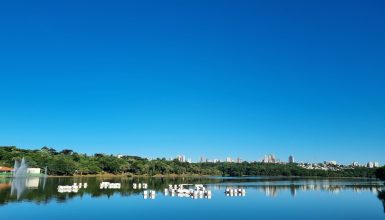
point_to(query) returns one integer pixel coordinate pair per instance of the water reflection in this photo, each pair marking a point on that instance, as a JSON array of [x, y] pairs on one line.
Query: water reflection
[[20, 184], [197, 191], [44, 190], [381, 196]]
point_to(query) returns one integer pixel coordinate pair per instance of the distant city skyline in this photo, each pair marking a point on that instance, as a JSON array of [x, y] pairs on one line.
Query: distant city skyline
[[213, 78], [266, 157]]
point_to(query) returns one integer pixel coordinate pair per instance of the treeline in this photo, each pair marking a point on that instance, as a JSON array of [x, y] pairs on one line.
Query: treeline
[[380, 173], [68, 162]]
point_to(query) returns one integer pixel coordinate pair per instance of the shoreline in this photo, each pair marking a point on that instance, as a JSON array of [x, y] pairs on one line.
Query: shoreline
[[133, 176], [110, 175], [204, 176]]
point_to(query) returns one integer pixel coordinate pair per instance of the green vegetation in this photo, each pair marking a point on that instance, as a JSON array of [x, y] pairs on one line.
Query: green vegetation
[[380, 173], [68, 163]]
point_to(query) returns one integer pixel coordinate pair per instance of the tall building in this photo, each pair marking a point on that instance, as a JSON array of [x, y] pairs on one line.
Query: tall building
[[181, 158], [228, 160], [239, 160], [269, 159], [372, 164], [265, 159], [332, 162], [202, 160], [291, 159]]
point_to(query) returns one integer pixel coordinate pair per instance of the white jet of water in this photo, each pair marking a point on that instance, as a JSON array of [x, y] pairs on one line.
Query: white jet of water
[[20, 169]]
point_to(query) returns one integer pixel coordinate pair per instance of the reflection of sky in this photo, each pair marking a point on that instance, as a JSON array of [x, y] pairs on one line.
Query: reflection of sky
[[306, 205], [274, 201]]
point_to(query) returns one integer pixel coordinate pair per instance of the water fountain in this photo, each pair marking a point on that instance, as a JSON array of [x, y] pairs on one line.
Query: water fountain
[[16, 166], [20, 169], [18, 183], [45, 177], [23, 180]]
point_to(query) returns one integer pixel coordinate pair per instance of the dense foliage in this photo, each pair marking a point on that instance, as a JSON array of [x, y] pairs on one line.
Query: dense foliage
[[67, 162], [380, 173]]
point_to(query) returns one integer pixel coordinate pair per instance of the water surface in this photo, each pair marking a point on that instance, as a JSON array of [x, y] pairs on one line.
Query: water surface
[[266, 198]]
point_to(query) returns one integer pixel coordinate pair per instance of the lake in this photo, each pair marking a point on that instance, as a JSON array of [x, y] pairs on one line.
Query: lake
[[264, 198]]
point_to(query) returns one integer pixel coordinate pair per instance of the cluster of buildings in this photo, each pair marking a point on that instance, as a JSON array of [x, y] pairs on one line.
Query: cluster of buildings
[[267, 159], [370, 164], [182, 158], [327, 165], [212, 161], [270, 158], [227, 160], [334, 166]]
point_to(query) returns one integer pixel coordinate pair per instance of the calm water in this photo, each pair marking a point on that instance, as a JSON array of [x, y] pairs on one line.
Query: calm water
[[266, 198]]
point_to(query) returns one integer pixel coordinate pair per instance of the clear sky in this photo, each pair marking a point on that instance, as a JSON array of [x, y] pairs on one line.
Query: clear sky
[[213, 78]]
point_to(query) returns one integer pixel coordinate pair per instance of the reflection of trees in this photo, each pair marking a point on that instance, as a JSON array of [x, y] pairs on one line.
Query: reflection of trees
[[381, 196], [46, 191], [273, 190], [272, 186]]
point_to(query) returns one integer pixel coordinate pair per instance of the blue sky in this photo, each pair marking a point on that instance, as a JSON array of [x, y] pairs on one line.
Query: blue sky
[[212, 78]]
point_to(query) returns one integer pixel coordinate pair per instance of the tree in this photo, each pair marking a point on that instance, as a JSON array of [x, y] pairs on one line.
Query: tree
[[61, 165], [68, 162], [380, 173], [67, 152]]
